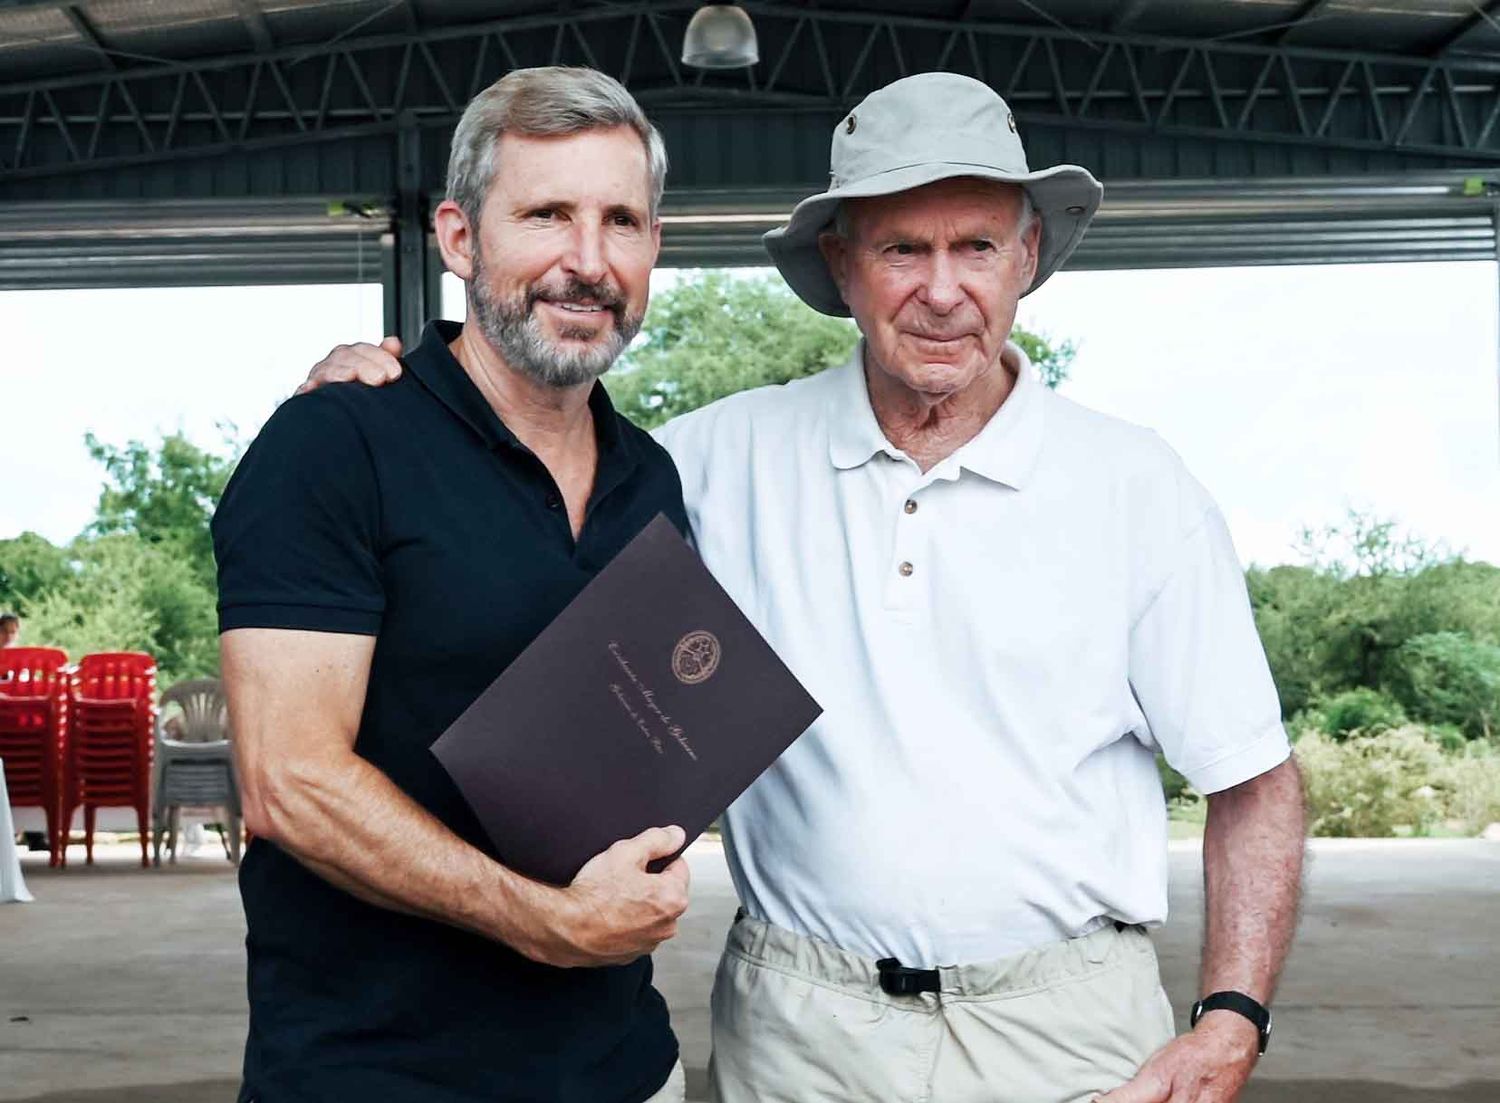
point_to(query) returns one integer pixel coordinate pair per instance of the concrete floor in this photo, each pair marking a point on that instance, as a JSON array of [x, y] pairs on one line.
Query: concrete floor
[[120, 985]]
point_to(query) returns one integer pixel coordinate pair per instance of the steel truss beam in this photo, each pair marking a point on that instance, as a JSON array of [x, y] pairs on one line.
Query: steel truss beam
[[813, 60]]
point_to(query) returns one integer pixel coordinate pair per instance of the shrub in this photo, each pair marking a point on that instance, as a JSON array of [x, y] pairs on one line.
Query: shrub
[[1358, 710], [1473, 786], [1373, 784], [1450, 678]]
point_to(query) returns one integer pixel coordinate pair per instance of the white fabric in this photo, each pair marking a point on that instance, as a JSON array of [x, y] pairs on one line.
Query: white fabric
[[982, 780], [12, 884]]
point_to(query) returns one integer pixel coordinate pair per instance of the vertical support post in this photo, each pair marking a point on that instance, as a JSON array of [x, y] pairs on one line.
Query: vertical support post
[[390, 291], [434, 285], [406, 272], [1495, 225]]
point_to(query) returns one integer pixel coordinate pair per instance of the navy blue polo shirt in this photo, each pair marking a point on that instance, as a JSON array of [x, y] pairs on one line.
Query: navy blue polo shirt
[[409, 512]]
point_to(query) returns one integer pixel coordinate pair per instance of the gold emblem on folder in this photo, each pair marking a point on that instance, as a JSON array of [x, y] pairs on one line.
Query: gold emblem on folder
[[696, 657]]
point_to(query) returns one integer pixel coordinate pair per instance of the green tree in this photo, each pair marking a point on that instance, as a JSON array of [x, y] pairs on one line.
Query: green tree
[[166, 495], [1311, 648], [1450, 678], [716, 334], [122, 593], [30, 566]]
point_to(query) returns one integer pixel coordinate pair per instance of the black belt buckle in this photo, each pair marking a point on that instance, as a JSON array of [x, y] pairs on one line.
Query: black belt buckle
[[897, 980]]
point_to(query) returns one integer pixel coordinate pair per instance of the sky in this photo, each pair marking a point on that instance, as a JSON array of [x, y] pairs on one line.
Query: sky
[[1293, 393]]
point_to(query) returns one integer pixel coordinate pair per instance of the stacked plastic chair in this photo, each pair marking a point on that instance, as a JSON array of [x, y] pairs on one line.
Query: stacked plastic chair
[[111, 724], [33, 734], [194, 764]]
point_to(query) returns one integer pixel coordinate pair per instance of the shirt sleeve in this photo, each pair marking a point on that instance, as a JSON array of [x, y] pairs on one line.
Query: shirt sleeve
[[1198, 669], [296, 532]]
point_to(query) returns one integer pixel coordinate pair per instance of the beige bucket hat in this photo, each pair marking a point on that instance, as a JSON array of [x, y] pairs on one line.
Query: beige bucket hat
[[918, 130]]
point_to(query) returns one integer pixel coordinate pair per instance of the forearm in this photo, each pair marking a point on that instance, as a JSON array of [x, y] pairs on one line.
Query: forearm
[[1252, 870], [349, 823]]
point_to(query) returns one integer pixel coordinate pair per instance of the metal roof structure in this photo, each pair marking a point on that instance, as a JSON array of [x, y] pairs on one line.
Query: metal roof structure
[[190, 141]]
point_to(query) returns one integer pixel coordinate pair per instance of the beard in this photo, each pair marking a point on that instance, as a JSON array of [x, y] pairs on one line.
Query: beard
[[515, 332]]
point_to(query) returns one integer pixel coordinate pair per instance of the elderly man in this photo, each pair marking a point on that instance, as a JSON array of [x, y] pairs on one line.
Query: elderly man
[[1006, 603], [383, 555]]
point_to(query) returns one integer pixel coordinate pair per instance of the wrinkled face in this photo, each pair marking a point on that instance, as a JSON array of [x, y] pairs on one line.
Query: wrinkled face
[[933, 276], [562, 263]]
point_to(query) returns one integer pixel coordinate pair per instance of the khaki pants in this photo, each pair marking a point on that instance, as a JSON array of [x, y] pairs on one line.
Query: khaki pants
[[798, 1020]]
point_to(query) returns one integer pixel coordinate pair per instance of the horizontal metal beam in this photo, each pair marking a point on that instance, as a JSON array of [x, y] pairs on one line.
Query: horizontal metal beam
[[813, 60], [1190, 223]]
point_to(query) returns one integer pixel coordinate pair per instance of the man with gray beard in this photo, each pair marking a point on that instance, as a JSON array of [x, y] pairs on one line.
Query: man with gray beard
[[383, 555]]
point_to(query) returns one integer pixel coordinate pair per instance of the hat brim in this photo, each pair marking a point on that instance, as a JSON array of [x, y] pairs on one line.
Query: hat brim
[[1066, 198]]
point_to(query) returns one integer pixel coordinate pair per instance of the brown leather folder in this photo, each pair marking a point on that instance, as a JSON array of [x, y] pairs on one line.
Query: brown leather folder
[[651, 700]]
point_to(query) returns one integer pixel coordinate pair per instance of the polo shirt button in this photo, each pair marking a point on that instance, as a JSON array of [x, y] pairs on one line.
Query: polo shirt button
[[911, 506], [554, 502], [906, 569]]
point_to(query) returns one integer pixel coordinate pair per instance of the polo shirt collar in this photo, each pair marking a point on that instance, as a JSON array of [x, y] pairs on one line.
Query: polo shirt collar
[[435, 366], [1004, 451]]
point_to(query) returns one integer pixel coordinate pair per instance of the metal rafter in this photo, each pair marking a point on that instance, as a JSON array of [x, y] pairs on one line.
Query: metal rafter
[[85, 30], [255, 25], [1487, 16], [1310, 12], [1127, 13], [814, 59]]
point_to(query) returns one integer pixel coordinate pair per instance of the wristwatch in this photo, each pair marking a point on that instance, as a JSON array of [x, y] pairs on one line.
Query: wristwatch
[[1241, 1004]]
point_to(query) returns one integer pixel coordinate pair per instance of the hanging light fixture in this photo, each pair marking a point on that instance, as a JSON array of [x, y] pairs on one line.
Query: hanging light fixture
[[720, 36]]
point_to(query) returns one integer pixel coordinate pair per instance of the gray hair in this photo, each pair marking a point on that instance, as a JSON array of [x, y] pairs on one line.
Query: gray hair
[[842, 228], [548, 100]]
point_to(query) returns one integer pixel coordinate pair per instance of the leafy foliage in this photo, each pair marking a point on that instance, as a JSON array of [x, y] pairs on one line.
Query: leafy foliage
[[30, 567], [141, 576], [165, 495], [1338, 626], [1359, 710], [1450, 678], [1372, 785], [1398, 782]]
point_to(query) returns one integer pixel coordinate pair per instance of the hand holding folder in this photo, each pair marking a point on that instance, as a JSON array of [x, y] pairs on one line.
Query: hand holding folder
[[613, 912]]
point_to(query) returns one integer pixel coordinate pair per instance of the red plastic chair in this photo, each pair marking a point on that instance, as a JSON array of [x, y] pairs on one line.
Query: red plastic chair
[[33, 733], [111, 721], [30, 671]]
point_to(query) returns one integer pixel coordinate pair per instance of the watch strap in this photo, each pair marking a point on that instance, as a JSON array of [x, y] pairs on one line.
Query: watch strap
[[1240, 1004]]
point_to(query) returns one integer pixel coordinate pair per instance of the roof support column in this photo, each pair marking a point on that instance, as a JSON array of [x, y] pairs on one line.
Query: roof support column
[[410, 277]]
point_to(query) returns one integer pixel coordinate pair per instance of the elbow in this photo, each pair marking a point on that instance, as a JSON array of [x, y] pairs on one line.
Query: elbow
[[257, 819], [256, 804], [277, 801]]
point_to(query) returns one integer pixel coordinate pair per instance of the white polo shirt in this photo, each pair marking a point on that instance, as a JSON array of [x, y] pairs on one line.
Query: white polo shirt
[[1000, 645]]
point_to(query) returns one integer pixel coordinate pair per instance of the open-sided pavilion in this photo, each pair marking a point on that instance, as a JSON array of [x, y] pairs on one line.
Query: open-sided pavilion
[[180, 142]]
